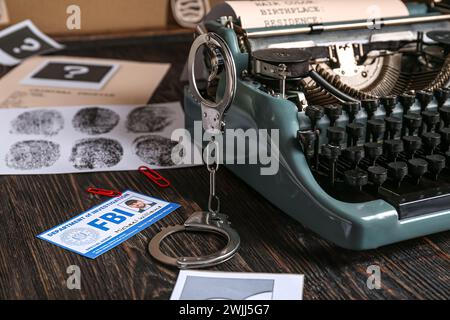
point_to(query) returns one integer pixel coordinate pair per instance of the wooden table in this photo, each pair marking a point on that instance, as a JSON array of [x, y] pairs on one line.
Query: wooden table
[[271, 241]]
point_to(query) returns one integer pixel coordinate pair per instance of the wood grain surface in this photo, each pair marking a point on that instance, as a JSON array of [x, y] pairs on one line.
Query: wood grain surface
[[271, 241]]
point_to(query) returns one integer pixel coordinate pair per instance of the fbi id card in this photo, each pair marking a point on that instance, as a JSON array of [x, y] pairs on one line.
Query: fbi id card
[[103, 227]]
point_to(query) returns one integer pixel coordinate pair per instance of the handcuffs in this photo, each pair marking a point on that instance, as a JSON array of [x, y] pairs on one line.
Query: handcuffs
[[212, 118]]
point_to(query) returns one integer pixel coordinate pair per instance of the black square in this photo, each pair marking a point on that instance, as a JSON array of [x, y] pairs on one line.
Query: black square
[[13, 43], [67, 72]]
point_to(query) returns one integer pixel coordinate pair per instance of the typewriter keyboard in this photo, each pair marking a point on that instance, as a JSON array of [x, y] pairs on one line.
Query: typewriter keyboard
[[396, 148]]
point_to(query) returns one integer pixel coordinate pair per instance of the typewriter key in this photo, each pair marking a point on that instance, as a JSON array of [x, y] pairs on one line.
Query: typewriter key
[[314, 113], [436, 164], [406, 100], [371, 106], [417, 168], [355, 131], [441, 95], [424, 97], [335, 135], [354, 154], [445, 137], [447, 157], [389, 103], [412, 144], [445, 115], [431, 119], [356, 178], [413, 121], [307, 140], [332, 153], [431, 140], [392, 148], [333, 112], [376, 129], [398, 171], [378, 175], [373, 151], [352, 108], [393, 126]]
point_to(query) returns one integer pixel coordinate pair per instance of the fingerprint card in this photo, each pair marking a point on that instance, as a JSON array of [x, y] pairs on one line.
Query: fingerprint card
[[22, 41], [107, 225], [212, 285], [94, 138], [69, 74]]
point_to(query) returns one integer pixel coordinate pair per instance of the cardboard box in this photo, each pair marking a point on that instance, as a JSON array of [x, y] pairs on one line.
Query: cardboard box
[[97, 16]]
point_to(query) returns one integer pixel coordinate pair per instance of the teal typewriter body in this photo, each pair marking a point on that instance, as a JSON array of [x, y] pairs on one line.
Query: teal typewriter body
[[363, 158]]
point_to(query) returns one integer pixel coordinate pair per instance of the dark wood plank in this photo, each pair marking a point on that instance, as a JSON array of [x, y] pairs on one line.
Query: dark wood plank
[[271, 241]]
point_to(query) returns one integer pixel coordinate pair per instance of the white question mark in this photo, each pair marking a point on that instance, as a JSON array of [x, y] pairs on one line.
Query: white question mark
[[30, 44], [72, 71]]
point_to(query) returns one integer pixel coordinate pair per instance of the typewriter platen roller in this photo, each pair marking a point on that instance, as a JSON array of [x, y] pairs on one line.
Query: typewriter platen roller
[[363, 115]]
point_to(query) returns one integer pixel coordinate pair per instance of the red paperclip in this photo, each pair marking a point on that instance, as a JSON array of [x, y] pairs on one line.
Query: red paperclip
[[153, 175], [104, 192]]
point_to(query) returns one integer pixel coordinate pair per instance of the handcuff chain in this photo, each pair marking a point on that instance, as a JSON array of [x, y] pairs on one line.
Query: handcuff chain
[[213, 165]]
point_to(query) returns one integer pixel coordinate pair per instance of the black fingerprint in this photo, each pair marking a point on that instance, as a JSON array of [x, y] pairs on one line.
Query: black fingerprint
[[93, 153], [155, 150], [149, 119], [45, 122], [95, 120], [32, 154]]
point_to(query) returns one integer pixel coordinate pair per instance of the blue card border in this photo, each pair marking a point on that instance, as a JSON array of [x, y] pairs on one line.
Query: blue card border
[[115, 241]]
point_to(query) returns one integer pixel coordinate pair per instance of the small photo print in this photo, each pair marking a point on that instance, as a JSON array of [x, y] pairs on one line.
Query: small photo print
[[24, 40], [215, 285], [68, 74], [137, 204], [210, 288]]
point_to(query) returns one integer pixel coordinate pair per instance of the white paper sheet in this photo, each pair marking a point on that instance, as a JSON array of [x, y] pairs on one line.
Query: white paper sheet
[[266, 14], [76, 81], [211, 285], [88, 138]]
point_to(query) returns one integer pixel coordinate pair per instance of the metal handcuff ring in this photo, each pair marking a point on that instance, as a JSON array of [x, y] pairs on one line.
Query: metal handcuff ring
[[202, 221], [206, 221], [213, 112]]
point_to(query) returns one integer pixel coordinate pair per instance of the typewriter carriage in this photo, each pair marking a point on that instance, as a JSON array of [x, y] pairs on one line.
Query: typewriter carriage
[[296, 189]]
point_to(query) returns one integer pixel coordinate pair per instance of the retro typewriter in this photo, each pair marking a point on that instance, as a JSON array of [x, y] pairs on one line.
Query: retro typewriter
[[363, 113]]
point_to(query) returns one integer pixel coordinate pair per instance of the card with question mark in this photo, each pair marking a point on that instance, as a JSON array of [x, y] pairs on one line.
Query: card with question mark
[[71, 74], [22, 41]]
